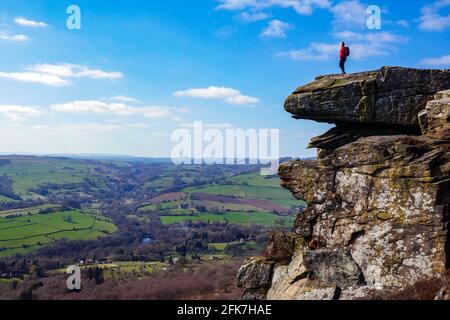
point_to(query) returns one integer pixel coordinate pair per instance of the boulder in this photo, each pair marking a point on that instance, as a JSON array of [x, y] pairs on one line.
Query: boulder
[[391, 96], [255, 277], [435, 119], [333, 267], [255, 273]]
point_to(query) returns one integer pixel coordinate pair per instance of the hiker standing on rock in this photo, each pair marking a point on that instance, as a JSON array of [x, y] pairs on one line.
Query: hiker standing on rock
[[344, 54]]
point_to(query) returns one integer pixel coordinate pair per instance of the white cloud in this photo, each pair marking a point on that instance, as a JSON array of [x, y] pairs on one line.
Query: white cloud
[[276, 29], [18, 112], [350, 14], [74, 71], [29, 23], [13, 37], [403, 23], [124, 99], [304, 7], [41, 78], [118, 109], [229, 95], [58, 75], [443, 61], [81, 128], [78, 128], [431, 19], [362, 46], [253, 16], [242, 100], [208, 125], [315, 52]]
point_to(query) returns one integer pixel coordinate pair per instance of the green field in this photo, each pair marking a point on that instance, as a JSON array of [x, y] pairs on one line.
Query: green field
[[29, 173], [26, 211], [243, 191], [246, 186], [215, 206], [6, 199], [247, 218], [27, 233], [256, 179]]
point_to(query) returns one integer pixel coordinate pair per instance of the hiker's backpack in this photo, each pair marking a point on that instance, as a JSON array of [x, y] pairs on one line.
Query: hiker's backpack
[[347, 52]]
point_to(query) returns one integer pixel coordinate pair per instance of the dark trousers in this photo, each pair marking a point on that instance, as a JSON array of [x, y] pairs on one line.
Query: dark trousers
[[342, 64]]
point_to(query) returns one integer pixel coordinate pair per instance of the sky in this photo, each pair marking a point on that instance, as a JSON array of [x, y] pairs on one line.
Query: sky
[[138, 70]]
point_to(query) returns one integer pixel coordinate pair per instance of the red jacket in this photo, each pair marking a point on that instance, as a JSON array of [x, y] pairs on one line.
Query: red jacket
[[342, 54]]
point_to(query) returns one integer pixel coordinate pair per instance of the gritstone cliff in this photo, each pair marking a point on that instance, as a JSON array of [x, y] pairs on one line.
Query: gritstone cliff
[[378, 194]]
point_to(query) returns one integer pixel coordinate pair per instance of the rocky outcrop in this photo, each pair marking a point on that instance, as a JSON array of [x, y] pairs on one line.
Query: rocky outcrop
[[391, 96], [378, 194]]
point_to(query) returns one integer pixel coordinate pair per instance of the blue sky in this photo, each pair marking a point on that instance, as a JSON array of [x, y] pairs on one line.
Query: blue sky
[[137, 70]]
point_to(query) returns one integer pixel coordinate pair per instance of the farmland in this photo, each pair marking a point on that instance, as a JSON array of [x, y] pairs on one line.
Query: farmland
[[22, 234], [27, 173], [259, 218], [176, 195], [136, 219], [244, 199]]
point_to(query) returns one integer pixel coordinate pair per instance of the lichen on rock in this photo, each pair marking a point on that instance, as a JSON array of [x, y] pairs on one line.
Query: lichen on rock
[[378, 194]]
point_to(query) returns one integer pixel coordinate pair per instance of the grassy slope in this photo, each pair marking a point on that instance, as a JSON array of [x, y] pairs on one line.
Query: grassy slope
[[27, 233], [29, 173]]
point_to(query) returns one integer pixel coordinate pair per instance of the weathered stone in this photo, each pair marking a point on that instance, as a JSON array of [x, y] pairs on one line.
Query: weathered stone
[[282, 246], [286, 282], [319, 293], [391, 96], [333, 267], [345, 134], [443, 294], [435, 119], [387, 202], [256, 273], [255, 294]]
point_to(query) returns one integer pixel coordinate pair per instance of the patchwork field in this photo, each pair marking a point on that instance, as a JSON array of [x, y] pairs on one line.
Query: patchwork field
[[244, 199], [173, 196], [247, 218], [29, 232]]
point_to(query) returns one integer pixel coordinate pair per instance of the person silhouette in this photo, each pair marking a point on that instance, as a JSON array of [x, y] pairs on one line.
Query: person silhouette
[[344, 54]]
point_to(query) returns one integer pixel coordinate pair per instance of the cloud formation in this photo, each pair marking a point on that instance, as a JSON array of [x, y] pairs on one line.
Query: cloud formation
[[29, 23], [363, 45], [304, 7], [443, 61], [18, 112], [253, 16], [431, 19], [349, 14], [13, 37], [228, 95], [58, 75], [118, 109], [276, 29], [124, 99]]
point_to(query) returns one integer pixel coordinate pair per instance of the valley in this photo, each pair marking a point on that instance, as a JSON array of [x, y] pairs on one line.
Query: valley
[[131, 219]]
